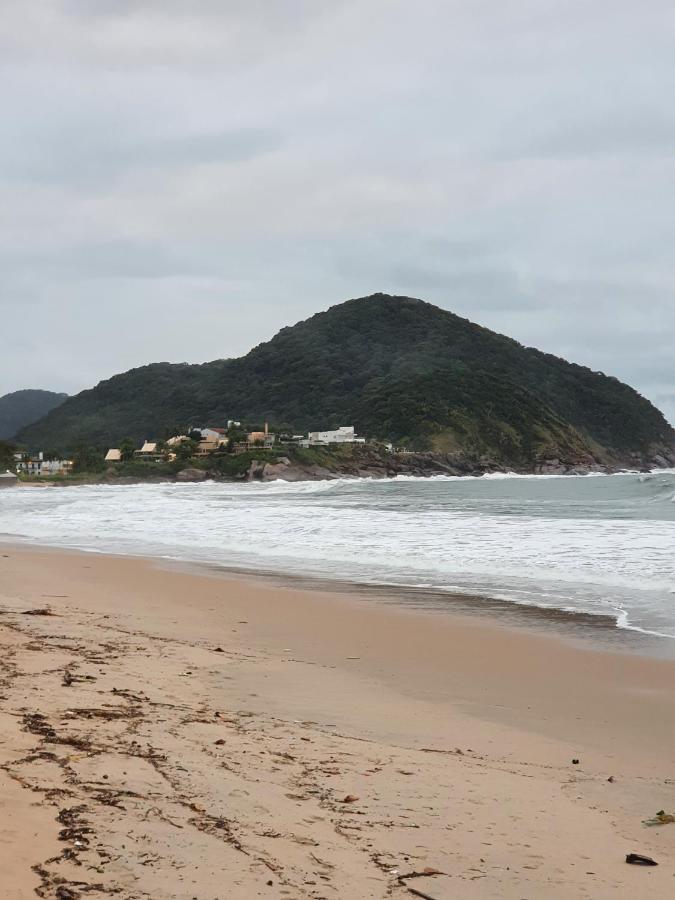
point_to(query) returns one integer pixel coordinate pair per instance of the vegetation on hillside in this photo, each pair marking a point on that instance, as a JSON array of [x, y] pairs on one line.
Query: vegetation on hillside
[[398, 369], [21, 408], [7, 451]]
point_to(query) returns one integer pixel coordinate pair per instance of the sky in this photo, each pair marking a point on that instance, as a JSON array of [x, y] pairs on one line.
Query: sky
[[179, 180]]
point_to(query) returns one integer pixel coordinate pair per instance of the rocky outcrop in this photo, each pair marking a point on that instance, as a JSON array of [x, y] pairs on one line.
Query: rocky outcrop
[[282, 469], [192, 475], [255, 470], [375, 462], [660, 458], [369, 462]]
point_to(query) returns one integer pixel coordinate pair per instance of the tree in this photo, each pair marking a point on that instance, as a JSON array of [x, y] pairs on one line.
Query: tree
[[127, 448], [185, 450], [87, 459], [7, 452], [237, 435]]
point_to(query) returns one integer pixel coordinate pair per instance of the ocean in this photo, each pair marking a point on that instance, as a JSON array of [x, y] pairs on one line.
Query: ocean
[[601, 545]]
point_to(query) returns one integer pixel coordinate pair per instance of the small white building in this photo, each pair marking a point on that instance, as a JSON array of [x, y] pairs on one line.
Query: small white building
[[345, 434], [219, 435], [113, 455], [38, 465], [8, 479]]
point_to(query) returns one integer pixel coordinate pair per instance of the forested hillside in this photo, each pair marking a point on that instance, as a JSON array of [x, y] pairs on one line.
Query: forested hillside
[[23, 407], [395, 367]]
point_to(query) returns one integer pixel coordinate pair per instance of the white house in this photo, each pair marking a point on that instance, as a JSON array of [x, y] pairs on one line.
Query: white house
[[38, 465], [56, 467], [343, 435], [214, 434]]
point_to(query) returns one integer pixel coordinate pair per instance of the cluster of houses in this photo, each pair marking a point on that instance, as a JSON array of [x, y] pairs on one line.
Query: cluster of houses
[[211, 440], [205, 441], [37, 465]]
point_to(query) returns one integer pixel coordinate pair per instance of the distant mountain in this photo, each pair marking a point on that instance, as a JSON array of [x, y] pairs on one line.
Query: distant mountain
[[398, 369], [23, 407]]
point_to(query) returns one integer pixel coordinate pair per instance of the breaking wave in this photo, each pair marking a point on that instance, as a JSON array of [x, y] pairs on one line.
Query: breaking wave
[[602, 544]]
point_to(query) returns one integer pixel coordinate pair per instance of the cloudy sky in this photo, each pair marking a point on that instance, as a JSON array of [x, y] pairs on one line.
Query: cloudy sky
[[181, 178]]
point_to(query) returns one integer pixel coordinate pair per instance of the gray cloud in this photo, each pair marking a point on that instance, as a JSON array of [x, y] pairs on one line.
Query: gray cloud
[[181, 180], [99, 159]]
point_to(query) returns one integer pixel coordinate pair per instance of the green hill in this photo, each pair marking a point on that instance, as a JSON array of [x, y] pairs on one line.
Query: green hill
[[398, 369], [23, 407]]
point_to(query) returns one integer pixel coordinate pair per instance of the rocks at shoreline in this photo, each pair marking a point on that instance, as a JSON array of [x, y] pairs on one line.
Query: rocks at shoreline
[[371, 461], [375, 463], [187, 475]]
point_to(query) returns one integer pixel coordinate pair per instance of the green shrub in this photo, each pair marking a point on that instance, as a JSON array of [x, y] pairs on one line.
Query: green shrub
[[140, 468], [237, 465]]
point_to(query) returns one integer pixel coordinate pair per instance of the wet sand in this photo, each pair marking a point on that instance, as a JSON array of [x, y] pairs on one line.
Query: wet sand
[[175, 734]]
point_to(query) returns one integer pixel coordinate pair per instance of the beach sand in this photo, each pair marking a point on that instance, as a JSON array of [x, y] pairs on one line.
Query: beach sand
[[168, 733]]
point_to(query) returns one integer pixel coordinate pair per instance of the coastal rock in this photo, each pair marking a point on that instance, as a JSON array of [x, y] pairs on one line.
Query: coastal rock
[[319, 473], [281, 470], [550, 468], [255, 470], [192, 475]]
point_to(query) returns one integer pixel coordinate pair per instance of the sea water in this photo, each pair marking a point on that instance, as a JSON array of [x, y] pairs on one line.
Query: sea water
[[591, 544]]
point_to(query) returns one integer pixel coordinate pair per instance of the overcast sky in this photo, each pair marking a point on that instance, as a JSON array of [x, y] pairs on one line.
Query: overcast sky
[[181, 178]]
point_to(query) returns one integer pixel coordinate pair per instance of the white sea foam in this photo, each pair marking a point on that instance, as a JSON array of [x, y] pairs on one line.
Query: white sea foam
[[597, 545]]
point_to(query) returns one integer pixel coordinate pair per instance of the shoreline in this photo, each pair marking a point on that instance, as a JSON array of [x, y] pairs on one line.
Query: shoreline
[[599, 630], [196, 734], [104, 480]]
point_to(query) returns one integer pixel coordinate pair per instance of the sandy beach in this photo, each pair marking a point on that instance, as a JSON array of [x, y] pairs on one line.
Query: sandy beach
[[181, 734]]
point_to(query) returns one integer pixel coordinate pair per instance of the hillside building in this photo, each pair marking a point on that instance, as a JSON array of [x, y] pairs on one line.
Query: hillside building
[[261, 438], [209, 445], [219, 435], [41, 467], [345, 434], [257, 440], [149, 452]]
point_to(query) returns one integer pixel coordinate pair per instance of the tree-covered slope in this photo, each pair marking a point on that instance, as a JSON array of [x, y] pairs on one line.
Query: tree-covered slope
[[20, 408], [395, 367]]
